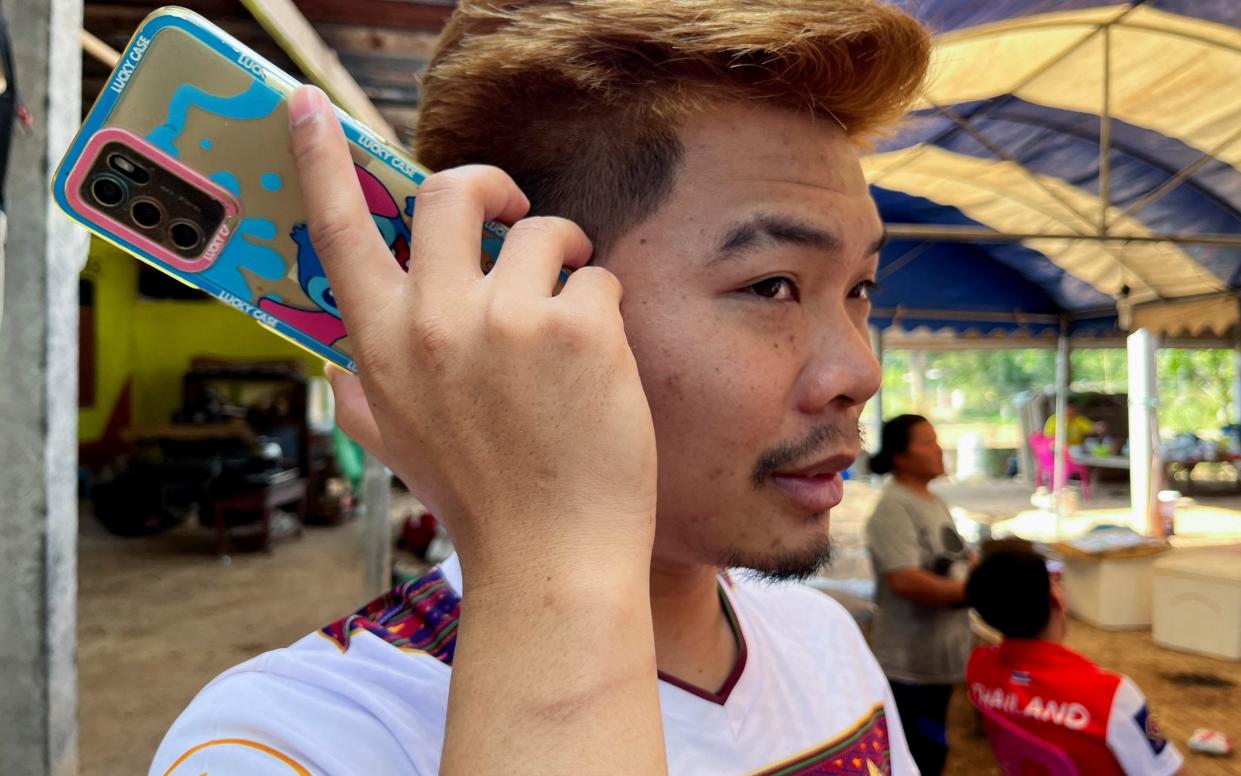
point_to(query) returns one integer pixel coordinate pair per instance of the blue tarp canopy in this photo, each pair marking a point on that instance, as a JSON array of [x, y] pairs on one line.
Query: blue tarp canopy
[[1005, 217]]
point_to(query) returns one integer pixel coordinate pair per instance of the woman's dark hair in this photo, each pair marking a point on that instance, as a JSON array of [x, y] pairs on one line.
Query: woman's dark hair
[[895, 441], [1011, 590]]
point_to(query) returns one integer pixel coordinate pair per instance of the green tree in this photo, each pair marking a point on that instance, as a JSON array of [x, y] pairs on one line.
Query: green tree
[[981, 388]]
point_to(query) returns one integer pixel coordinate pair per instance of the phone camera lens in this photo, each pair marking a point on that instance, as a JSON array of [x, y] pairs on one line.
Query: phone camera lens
[[107, 190], [185, 235], [146, 213]]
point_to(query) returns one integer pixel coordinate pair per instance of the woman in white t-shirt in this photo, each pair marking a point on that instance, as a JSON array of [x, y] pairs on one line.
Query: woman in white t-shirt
[[921, 633]]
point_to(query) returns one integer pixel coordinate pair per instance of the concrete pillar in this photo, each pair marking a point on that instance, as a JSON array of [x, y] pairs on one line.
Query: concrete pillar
[[1236, 382], [875, 431], [1062, 427], [376, 506], [1145, 468], [38, 406]]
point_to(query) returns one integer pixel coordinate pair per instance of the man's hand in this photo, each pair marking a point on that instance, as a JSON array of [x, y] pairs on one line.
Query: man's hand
[[516, 414]]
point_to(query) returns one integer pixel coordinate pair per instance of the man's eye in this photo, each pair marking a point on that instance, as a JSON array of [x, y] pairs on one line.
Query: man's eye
[[864, 290], [778, 288]]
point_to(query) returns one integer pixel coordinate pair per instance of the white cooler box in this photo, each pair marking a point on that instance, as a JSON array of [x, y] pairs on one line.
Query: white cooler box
[[1109, 592], [1197, 603]]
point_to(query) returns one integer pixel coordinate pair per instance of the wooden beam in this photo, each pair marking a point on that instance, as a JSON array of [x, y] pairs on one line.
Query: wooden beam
[[425, 15], [379, 40], [100, 50], [402, 14], [115, 24], [290, 29]]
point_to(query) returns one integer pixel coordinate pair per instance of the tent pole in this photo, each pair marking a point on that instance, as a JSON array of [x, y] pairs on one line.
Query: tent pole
[[1105, 134], [982, 234], [1145, 468], [376, 508], [1062, 426]]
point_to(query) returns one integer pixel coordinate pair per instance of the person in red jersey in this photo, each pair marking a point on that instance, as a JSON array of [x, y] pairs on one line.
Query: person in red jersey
[[1099, 718]]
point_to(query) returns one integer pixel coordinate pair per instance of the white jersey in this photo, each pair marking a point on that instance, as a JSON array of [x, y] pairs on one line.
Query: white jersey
[[368, 695]]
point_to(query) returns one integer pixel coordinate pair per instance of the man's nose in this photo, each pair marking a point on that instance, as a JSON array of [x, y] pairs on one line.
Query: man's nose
[[842, 370]]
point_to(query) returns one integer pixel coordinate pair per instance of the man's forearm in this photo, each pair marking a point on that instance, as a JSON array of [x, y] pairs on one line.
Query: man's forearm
[[926, 589]]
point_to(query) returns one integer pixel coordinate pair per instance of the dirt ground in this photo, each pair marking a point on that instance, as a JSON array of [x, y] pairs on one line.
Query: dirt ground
[[160, 616]]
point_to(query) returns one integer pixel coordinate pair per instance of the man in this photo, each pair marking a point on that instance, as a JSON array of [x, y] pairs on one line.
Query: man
[[706, 148], [921, 633], [1078, 425], [1098, 718]]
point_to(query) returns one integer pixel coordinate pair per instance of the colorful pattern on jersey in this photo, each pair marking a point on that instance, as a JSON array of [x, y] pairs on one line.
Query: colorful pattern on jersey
[[418, 616], [861, 750]]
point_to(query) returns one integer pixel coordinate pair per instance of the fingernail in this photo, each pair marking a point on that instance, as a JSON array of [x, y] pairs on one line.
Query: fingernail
[[304, 105]]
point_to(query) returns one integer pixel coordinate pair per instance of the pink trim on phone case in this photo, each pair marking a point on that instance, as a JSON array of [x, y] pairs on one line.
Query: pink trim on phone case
[[215, 245]]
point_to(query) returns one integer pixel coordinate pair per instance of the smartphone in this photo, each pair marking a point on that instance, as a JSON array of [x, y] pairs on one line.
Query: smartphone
[[184, 162]]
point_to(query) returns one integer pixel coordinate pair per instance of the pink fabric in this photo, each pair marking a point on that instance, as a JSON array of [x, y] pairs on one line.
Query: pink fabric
[[1020, 753], [1043, 448]]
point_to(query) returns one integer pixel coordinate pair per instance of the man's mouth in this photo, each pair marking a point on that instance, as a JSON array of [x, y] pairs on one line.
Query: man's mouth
[[816, 487]]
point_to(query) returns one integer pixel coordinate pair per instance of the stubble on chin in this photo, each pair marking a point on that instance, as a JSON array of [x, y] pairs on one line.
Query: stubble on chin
[[783, 566]]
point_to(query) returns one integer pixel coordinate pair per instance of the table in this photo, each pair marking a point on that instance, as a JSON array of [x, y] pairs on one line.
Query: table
[[261, 498], [1095, 463]]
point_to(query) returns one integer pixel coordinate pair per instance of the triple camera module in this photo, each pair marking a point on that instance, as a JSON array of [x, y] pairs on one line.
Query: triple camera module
[[131, 188]]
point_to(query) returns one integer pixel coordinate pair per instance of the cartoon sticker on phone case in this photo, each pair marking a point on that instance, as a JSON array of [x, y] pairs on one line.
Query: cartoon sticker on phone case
[[256, 102], [324, 323]]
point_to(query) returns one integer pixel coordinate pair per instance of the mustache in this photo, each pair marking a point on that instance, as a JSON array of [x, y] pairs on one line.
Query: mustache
[[786, 454]]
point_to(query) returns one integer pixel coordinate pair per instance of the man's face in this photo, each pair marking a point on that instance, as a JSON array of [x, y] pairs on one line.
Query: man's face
[[746, 298]]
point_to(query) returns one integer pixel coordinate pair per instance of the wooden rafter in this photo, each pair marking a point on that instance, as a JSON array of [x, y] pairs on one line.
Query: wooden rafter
[[100, 50], [291, 30]]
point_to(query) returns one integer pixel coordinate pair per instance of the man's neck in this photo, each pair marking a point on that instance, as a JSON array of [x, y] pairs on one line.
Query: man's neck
[[694, 641], [1055, 631], [918, 485]]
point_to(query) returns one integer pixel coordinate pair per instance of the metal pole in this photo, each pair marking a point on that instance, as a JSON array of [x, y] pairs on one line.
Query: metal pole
[[377, 505], [1105, 134], [38, 407], [980, 234], [1184, 174], [1023, 170]]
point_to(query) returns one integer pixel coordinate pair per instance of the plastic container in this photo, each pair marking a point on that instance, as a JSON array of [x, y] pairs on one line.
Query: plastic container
[[1113, 593], [1167, 510], [1197, 602]]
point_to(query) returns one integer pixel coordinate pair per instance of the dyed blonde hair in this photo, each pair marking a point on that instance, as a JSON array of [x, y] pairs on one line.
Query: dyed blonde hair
[[580, 100]]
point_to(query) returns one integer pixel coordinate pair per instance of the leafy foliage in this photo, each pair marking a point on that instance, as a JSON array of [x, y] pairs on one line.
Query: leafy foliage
[[984, 387]]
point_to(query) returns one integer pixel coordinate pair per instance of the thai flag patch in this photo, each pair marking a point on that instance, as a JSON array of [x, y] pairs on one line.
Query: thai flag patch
[[1154, 736], [1020, 678]]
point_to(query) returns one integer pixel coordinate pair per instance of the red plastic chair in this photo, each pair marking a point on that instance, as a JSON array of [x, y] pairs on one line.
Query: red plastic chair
[[1044, 449], [1020, 753]]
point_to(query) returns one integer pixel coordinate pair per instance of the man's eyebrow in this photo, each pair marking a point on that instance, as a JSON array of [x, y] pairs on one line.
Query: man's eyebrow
[[780, 229]]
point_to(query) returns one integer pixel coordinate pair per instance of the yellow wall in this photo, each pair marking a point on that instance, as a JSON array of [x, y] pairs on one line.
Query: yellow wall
[[168, 335], [115, 276], [154, 342]]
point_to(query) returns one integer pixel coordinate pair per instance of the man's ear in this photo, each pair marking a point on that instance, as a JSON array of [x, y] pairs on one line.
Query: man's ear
[[1059, 601]]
